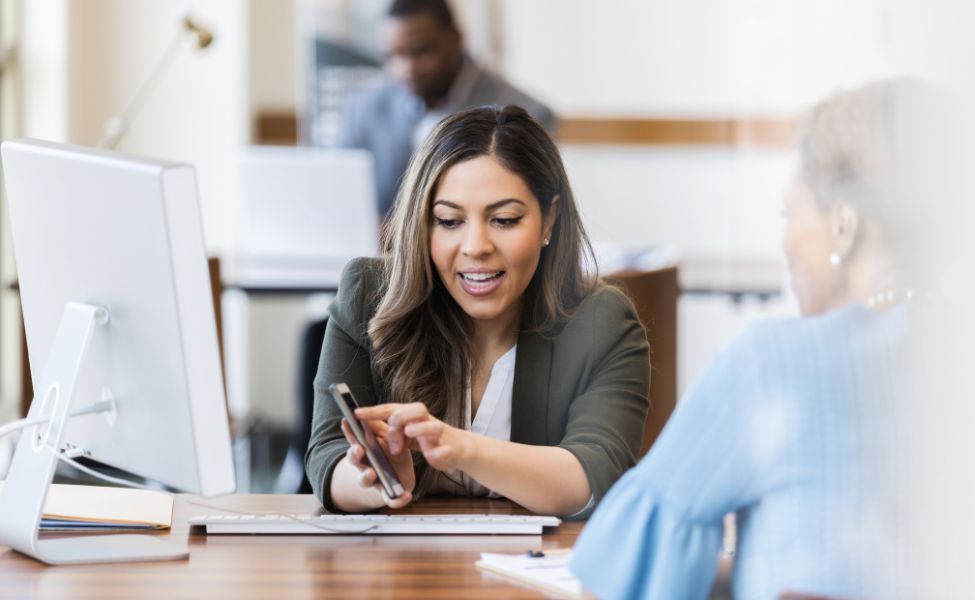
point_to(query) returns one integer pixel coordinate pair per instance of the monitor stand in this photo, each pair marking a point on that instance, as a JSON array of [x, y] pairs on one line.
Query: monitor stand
[[32, 469]]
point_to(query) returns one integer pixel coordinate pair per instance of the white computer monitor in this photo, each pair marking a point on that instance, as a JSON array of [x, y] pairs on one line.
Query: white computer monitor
[[117, 306], [305, 212]]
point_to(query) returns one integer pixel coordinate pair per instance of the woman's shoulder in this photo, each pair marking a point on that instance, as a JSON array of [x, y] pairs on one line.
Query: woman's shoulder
[[364, 270], [776, 334], [601, 320], [604, 305], [789, 350], [358, 294]]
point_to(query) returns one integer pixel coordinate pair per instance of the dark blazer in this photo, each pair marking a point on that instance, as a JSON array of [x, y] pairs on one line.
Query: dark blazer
[[584, 389]]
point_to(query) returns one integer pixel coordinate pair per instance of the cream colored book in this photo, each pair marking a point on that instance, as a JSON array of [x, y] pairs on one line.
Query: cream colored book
[[549, 571], [96, 508]]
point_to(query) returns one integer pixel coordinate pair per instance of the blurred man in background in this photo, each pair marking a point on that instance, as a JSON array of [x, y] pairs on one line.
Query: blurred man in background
[[431, 76]]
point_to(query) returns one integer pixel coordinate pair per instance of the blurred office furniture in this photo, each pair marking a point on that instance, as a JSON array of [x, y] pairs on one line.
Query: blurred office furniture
[[117, 126], [216, 289], [275, 127], [654, 293], [735, 278], [305, 213], [311, 349]]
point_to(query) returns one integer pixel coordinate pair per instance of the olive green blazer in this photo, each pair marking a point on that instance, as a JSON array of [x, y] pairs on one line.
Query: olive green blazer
[[584, 388]]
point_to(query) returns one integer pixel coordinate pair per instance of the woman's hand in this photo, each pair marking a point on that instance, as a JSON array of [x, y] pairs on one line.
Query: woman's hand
[[402, 463], [412, 426], [544, 479]]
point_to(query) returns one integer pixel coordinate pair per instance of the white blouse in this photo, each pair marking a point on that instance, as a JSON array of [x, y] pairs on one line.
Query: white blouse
[[493, 419]]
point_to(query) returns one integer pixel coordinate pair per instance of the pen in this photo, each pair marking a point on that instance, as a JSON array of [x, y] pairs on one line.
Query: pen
[[542, 554]]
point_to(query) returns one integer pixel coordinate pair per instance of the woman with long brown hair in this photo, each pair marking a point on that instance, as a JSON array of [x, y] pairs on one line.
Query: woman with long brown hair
[[487, 359]]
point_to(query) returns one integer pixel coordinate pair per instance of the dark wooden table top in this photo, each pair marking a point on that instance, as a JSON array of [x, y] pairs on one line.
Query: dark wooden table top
[[296, 567]]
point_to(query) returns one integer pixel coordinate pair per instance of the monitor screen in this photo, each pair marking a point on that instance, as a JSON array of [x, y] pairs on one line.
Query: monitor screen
[[305, 212]]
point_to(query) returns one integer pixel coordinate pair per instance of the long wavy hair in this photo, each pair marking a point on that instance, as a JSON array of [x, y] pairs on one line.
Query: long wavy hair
[[421, 337]]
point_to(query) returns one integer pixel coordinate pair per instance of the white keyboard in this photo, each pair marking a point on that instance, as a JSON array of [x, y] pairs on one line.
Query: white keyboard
[[374, 524]]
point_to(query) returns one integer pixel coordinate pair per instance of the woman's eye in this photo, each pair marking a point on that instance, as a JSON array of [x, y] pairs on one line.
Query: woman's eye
[[505, 222], [447, 223]]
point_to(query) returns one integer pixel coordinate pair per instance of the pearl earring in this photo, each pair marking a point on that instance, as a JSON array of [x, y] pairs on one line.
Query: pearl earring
[[545, 243], [836, 259]]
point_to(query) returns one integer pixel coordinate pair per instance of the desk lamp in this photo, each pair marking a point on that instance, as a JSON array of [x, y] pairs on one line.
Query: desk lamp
[[117, 126]]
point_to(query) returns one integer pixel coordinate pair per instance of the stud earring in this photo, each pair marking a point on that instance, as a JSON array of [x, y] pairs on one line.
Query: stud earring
[[836, 259], [545, 243]]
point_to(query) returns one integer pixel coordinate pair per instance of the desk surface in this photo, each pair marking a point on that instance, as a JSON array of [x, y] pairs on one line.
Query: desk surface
[[295, 567]]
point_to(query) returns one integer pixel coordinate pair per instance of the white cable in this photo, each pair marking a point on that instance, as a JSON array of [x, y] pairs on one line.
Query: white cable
[[93, 408], [21, 424], [63, 457], [97, 407], [283, 515]]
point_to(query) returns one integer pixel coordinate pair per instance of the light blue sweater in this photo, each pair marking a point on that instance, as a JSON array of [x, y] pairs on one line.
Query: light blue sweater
[[784, 429]]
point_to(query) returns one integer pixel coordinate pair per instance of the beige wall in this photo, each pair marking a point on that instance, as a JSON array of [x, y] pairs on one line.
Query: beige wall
[[81, 62], [197, 113], [273, 68]]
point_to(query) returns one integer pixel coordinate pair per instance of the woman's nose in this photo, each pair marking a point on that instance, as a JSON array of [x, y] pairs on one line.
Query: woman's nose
[[477, 242]]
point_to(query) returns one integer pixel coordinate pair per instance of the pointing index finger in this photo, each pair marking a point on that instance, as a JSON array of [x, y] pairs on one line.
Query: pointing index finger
[[381, 411]]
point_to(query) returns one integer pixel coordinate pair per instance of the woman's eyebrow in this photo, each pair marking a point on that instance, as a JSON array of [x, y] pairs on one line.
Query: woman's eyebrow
[[501, 203], [491, 206], [449, 204]]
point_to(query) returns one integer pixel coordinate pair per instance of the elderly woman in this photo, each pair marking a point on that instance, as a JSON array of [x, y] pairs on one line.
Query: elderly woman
[[791, 426], [487, 360]]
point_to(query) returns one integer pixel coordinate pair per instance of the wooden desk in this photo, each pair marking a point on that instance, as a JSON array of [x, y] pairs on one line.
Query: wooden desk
[[295, 567]]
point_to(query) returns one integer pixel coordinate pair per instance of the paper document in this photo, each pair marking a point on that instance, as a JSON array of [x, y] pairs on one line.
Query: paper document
[[549, 572], [97, 508]]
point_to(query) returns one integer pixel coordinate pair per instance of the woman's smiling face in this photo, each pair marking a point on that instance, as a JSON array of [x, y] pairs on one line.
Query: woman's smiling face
[[487, 237]]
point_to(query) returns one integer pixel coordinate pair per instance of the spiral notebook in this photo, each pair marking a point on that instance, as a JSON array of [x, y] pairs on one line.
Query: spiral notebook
[[95, 508]]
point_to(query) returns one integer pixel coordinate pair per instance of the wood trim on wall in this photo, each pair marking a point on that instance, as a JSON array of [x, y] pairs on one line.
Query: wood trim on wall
[[676, 132], [281, 127], [276, 128]]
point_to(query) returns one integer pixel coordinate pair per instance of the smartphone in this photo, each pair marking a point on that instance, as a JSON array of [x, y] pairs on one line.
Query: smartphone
[[364, 435]]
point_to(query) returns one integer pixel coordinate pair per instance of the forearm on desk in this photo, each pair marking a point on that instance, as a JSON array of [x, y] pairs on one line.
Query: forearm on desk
[[543, 479]]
